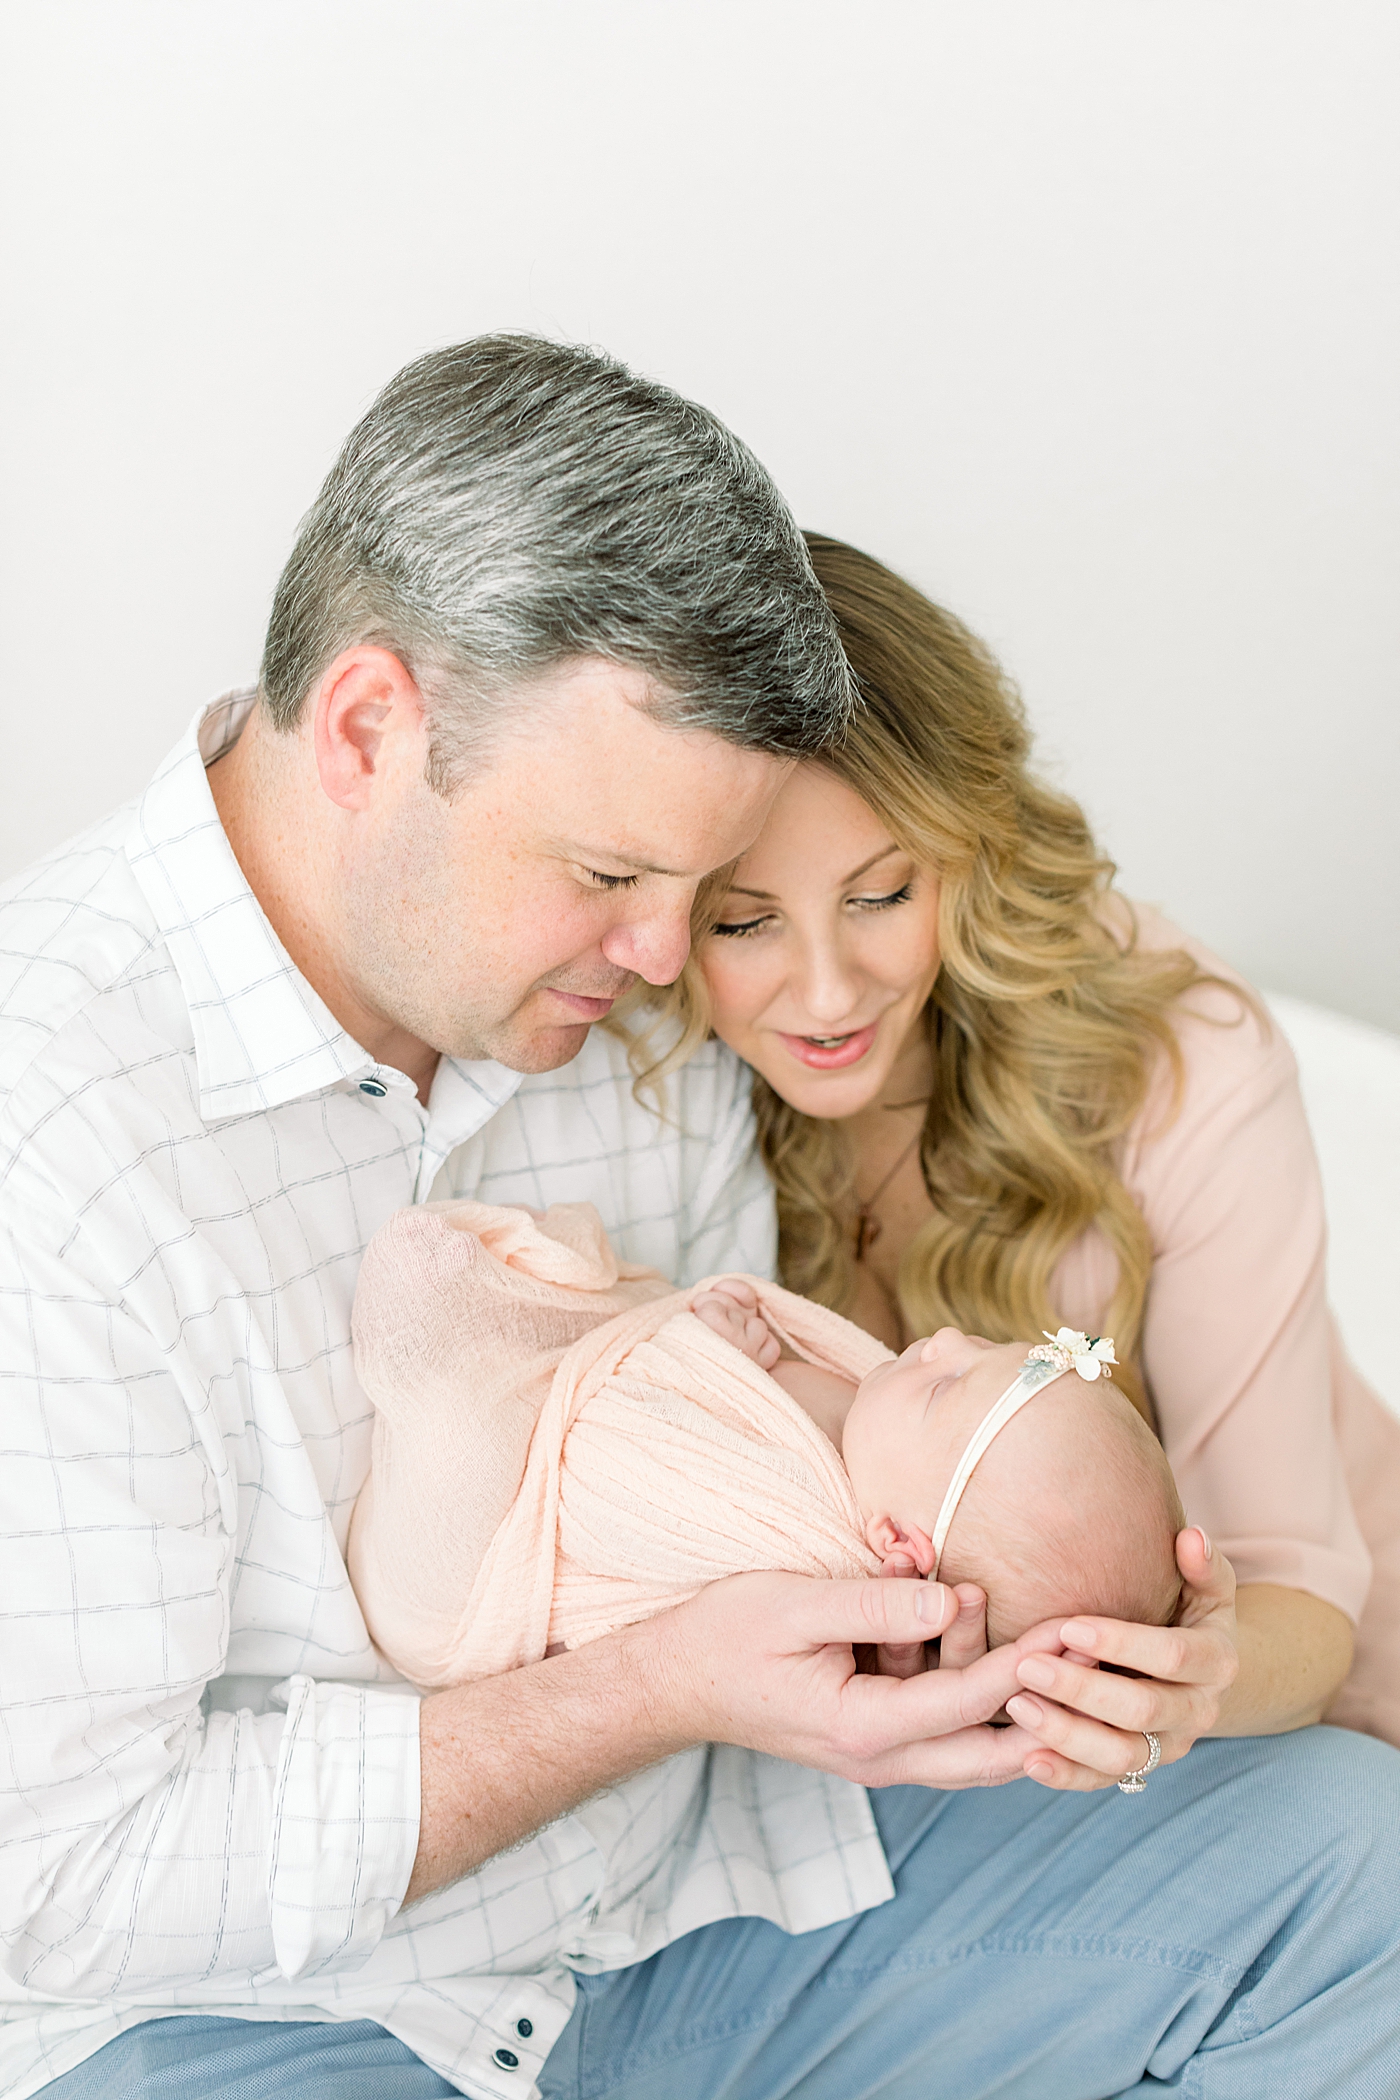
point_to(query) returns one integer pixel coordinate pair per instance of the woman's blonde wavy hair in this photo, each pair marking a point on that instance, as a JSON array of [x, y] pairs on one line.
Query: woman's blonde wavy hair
[[1045, 1024]]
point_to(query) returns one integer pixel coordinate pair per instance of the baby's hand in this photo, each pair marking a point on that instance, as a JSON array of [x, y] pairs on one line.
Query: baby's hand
[[731, 1309]]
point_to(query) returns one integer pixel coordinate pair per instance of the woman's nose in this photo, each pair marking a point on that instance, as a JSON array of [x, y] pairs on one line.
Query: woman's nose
[[825, 983]]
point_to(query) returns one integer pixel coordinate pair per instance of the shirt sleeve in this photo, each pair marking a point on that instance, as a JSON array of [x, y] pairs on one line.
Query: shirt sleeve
[[1236, 1342], [148, 1840]]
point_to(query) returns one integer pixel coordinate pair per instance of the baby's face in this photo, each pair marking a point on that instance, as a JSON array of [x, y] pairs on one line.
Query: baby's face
[[909, 1422], [1072, 1508]]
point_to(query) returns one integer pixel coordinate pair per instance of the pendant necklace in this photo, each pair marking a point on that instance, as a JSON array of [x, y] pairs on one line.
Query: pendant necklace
[[867, 1227]]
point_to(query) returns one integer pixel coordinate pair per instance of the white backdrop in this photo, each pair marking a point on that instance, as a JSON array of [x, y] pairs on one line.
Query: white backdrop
[[1084, 315]]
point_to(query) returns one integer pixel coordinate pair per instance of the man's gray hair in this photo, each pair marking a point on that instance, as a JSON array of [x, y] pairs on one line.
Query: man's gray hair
[[510, 503]]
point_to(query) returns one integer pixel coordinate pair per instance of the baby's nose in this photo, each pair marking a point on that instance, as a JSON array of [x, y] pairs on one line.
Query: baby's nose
[[948, 1342]]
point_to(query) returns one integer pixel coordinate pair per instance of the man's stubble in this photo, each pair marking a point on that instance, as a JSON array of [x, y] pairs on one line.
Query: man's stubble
[[425, 962]]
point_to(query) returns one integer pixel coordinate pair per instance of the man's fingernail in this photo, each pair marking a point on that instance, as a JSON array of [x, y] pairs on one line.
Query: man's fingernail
[[931, 1604], [1076, 1633], [1206, 1546], [1044, 1773], [1029, 1712]]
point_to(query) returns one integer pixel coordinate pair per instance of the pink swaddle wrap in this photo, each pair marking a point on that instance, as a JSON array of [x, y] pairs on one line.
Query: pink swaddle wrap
[[562, 1447]]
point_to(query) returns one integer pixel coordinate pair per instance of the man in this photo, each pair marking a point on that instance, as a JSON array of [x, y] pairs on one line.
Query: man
[[544, 649]]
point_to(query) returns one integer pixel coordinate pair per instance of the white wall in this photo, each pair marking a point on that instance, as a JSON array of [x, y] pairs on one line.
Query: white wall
[[1084, 314]]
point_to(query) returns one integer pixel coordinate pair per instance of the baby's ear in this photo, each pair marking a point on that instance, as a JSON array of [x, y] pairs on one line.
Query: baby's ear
[[921, 1546], [882, 1535]]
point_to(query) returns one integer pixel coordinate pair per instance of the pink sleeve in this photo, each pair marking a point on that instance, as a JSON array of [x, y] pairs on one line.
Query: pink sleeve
[[1237, 1340]]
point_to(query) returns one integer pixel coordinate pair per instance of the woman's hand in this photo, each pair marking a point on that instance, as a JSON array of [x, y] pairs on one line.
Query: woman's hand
[[1089, 1722]]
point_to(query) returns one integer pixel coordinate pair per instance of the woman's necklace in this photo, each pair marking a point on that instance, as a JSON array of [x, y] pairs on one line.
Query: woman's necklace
[[867, 1227]]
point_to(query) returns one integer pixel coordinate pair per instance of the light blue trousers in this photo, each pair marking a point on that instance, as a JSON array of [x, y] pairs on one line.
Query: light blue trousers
[[1231, 1934]]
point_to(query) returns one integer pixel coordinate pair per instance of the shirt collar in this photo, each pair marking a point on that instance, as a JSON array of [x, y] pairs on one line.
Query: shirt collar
[[262, 1035]]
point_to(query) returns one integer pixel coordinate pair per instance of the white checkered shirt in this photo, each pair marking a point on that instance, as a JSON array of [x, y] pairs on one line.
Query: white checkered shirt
[[208, 1776]]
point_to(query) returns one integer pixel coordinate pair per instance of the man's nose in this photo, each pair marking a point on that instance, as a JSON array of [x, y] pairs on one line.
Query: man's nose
[[654, 945]]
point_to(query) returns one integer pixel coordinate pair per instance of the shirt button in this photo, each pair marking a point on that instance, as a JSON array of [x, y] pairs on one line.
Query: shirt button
[[508, 2060], [372, 1086], [525, 2028]]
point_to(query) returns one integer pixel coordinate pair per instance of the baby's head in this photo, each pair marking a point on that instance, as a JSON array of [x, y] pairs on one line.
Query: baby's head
[[1072, 1507]]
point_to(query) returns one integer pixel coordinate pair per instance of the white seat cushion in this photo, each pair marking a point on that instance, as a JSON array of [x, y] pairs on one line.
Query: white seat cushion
[[1351, 1088]]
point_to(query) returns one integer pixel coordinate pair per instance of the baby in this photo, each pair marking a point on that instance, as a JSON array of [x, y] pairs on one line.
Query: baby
[[565, 1444], [1066, 1506]]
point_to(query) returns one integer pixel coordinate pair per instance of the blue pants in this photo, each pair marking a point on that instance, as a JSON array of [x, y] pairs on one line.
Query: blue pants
[[1231, 1934]]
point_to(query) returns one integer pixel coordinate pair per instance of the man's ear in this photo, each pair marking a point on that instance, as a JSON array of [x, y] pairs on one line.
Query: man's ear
[[367, 716]]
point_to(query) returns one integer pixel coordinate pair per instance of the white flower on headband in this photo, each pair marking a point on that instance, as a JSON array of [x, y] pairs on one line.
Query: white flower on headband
[[1071, 1350]]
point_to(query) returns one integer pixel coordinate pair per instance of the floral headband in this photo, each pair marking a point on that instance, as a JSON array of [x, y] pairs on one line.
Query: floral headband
[[1069, 1350]]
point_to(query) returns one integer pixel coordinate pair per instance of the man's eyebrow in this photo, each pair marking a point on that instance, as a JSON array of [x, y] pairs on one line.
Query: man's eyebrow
[[737, 889], [610, 857]]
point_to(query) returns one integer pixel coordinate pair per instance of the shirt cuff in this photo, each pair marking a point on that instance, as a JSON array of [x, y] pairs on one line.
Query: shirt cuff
[[345, 1813]]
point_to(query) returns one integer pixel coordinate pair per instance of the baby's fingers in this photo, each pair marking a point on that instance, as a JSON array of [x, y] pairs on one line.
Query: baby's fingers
[[737, 1291], [761, 1342], [716, 1311]]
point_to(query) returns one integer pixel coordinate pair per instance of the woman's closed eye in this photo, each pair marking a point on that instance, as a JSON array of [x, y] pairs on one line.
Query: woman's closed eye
[[899, 896], [735, 929]]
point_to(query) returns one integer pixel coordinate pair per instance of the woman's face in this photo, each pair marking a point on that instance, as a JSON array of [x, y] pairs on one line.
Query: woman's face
[[826, 950]]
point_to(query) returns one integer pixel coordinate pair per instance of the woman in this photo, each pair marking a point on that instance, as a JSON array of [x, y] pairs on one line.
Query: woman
[[992, 1094]]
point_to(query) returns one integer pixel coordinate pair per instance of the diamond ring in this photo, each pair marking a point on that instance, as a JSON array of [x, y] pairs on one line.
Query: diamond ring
[[1136, 1782]]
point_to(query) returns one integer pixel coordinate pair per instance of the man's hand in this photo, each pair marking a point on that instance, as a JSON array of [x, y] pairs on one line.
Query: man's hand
[[962, 1641], [896, 1658], [767, 1661], [764, 1661]]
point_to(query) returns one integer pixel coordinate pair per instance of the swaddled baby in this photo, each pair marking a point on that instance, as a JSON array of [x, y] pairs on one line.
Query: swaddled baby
[[565, 1444]]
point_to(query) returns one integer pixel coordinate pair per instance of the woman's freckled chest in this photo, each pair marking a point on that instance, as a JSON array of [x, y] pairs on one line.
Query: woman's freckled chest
[[904, 1208], [893, 1200]]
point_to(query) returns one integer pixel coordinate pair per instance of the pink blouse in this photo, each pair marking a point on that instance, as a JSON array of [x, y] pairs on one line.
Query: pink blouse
[[1282, 1452]]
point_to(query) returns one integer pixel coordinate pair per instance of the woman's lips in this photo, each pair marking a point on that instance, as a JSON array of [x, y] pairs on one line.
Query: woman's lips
[[830, 1053]]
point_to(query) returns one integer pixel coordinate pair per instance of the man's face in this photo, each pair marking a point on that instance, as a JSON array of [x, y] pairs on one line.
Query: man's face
[[506, 921]]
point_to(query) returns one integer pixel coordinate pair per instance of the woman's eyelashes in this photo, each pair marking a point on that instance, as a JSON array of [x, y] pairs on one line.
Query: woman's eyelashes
[[899, 896], [735, 929]]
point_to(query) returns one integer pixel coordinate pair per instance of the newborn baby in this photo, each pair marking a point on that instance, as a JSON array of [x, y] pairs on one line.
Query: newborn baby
[[565, 1444], [1070, 1508]]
